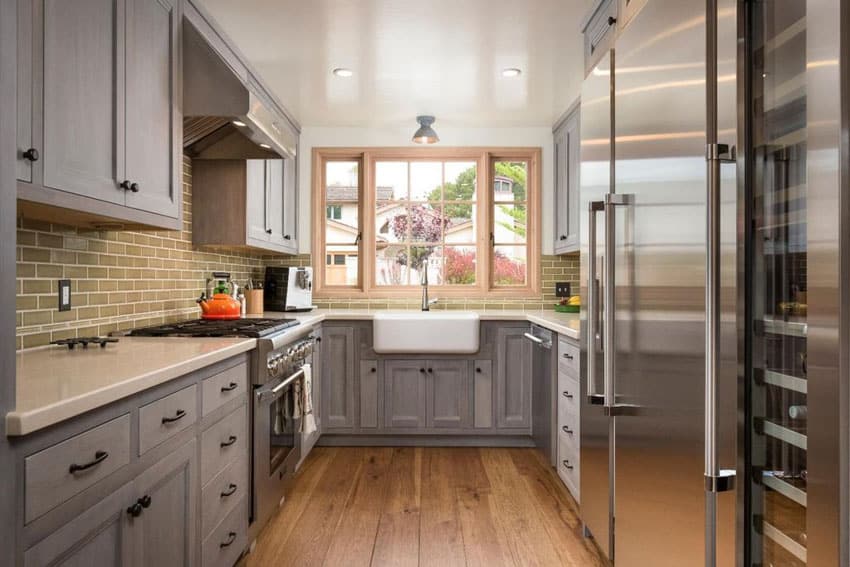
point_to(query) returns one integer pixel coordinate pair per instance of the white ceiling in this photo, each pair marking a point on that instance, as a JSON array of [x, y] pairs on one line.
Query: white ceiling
[[441, 57]]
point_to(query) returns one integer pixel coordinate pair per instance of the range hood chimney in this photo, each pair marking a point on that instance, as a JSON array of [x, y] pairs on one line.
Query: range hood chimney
[[215, 100]]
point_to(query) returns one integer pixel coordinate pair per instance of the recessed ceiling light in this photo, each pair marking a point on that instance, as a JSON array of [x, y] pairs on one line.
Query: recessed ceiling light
[[239, 123], [511, 72], [265, 146], [343, 72]]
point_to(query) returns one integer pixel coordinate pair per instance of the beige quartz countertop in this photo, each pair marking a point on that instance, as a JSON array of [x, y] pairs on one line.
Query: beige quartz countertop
[[55, 384]]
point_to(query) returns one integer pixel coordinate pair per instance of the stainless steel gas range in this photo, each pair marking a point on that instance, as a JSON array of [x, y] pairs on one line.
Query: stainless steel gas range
[[278, 368]]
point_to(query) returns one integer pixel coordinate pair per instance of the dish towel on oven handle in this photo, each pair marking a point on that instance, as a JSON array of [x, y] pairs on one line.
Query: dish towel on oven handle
[[308, 418]]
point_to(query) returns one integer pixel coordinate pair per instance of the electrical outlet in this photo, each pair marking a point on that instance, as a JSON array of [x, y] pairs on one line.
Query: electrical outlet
[[562, 289], [64, 295]]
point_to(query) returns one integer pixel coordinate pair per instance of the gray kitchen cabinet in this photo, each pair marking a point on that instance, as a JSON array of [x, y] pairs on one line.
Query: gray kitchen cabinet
[[338, 373], [98, 119], [405, 394], [513, 379], [368, 394], [165, 530], [567, 163], [600, 29], [448, 394], [482, 394]]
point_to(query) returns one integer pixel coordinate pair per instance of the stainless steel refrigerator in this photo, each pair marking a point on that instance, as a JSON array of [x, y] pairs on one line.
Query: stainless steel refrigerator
[[697, 281]]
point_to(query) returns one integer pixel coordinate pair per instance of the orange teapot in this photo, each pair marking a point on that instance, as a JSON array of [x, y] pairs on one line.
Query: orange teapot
[[220, 303]]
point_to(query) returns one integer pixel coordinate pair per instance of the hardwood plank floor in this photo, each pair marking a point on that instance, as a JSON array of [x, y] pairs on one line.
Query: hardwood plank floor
[[353, 506]]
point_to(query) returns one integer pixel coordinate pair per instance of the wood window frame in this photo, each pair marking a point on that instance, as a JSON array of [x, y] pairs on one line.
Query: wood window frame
[[485, 158]]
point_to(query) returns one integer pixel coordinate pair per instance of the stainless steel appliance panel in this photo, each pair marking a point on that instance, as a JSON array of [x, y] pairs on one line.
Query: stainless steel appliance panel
[[544, 409], [595, 183], [659, 287]]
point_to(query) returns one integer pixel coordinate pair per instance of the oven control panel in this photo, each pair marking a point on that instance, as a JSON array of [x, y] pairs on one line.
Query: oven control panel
[[289, 358]]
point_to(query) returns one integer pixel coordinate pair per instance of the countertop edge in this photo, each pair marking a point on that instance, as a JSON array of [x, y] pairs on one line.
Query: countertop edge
[[24, 423]]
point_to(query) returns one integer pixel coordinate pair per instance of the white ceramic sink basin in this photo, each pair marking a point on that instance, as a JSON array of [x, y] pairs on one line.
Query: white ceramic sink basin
[[425, 332]]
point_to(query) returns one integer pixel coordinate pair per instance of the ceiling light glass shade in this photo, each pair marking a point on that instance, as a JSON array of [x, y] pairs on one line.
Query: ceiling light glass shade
[[343, 72], [511, 72], [425, 134]]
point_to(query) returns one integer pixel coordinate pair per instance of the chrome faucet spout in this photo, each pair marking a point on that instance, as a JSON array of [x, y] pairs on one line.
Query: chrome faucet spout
[[423, 280]]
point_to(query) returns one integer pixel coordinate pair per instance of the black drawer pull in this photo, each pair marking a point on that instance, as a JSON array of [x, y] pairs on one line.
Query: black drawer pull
[[230, 441], [567, 395], [231, 537], [177, 417], [567, 465], [230, 387], [99, 457], [230, 490], [31, 155], [568, 356], [567, 430]]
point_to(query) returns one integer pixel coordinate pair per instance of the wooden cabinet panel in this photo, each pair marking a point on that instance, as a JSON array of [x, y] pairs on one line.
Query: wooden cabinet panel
[[567, 164], [290, 203], [83, 97], [405, 393], [153, 149], [166, 417], [483, 394], [223, 443], [24, 134], [448, 394], [368, 394], [339, 359], [513, 379], [274, 179]]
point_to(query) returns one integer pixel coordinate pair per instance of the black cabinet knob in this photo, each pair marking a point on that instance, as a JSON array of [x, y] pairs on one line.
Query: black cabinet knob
[[422, 370], [373, 369], [135, 510], [268, 231], [612, 20], [31, 154], [287, 237], [563, 237], [134, 187], [125, 185], [145, 501], [478, 370], [431, 370]]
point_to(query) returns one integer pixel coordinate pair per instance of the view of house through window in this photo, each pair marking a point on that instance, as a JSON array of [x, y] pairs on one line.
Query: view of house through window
[[342, 227], [510, 211]]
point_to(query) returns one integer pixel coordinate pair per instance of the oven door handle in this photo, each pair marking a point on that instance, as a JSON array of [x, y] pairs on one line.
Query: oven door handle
[[265, 396]]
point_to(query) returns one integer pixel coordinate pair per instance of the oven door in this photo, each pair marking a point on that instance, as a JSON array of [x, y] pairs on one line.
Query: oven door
[[277, 444]]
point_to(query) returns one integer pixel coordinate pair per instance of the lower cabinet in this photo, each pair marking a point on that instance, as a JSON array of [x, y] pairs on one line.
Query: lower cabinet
[[513, 379], [338, 361], [448, 394], [148, 521], [431, 394], [404, 393]]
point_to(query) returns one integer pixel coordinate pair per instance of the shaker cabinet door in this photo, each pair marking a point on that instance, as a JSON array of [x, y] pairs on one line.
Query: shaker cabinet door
[[82, 97], [567, 163], [274, 178], [448, 394], [338, 405], [152, 148], [513, 379], [290, 204], [27, 151], [405, 393]]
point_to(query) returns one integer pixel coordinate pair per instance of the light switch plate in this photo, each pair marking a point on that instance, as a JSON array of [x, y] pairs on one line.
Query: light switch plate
[[562, 289], [64, 295]]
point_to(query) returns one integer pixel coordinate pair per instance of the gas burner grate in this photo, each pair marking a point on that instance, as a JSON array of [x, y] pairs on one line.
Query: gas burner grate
[[251, 328], [84, 341]]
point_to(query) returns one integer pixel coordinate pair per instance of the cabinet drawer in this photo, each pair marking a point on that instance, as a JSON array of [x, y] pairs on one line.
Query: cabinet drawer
[[57, 473], [222, 494], [569, 358], [166, 417], [568, 465], [569, 393], [219, 389], [229, 538], [569, 426], [222, 443]]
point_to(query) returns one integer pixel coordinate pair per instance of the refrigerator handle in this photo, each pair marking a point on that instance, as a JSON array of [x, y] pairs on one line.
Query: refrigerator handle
[[612, 201], [594, 397]]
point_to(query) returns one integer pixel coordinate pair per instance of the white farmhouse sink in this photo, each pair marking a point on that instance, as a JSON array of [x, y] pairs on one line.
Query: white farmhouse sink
[[425, 332]]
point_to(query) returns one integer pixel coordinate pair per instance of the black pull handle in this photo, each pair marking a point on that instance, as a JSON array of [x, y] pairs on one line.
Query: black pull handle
[[125, 185], [567, 464], [231, 537], [422, 370], [230, 387], [145, 501], [478, 370], [567, 430], [268, 231], [567, 395], [31, 155], [563, 237], [318, 339], [99, 457], [135, 510], [287, 237], [568, 356], [230, 441], [134, 187], [373, 369], [431, 370], [612, 20], [177, 417], [230, 490]]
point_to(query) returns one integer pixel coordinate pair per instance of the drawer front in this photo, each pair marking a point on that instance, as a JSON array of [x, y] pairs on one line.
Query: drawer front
[[228, 539], [569, 426], [222, 494], [569, 393], [568, 465], [166, 417], [569, 358], [58, 473], [223, 443], [223, 387]]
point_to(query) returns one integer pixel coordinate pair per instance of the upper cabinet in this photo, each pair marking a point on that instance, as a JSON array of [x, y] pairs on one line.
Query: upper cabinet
[[567, 162], [99, 128], [599, 28]]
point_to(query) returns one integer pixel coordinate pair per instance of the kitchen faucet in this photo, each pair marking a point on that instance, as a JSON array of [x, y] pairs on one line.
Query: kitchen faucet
[[426, 303]]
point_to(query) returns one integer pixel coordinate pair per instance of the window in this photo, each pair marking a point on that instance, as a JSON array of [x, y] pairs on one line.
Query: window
[[468, 216]]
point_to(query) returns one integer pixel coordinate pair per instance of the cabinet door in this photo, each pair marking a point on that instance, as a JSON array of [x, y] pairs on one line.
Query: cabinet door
[[513, 379], [257, 198], [26, 48], [338, 407], [100, 535], [151, 129], [274, 178], [318, 367], [561, 146], [567, 163], [290, 203], [405, 393], [483, 394], [448, 394], [83, 97], [368, 394], [164, 533]]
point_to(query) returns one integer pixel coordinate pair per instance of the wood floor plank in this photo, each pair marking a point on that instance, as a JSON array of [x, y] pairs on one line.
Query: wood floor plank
[[354, 538], [397, 542], [525, 533], [308, 544], [271, 540], [484, 541], [440, 535]]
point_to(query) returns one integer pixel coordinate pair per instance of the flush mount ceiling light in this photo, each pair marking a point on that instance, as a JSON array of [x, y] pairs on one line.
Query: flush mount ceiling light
[[239, 123], [425, 134], [343, 72], [511, 72], [265, 146]]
